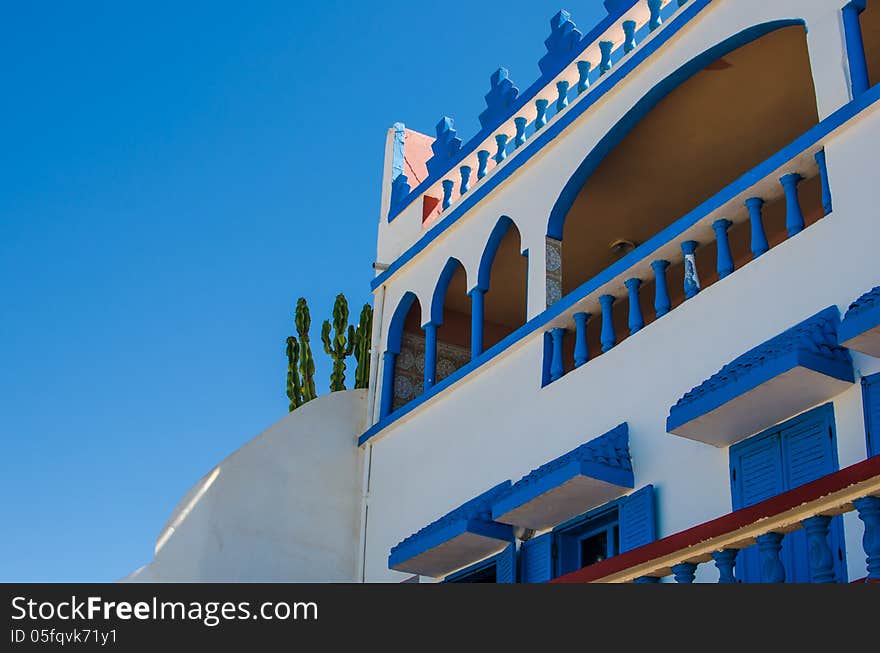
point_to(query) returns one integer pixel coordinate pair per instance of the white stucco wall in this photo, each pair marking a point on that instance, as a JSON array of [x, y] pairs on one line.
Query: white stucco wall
[[285, 507], [498, 423]]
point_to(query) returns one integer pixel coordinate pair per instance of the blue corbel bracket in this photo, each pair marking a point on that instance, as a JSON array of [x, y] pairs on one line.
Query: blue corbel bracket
[[561, 44], [499, 100], [860, 329]]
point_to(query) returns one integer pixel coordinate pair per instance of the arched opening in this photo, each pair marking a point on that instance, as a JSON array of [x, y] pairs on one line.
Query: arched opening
[[696, 132], [870, 23], [451, 313], [502, 281], [404, 361]]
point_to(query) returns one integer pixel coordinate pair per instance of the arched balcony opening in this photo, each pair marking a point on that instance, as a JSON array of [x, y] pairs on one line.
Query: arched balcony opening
[[451, 316], [696, 132], [404, 358], [499, 297]]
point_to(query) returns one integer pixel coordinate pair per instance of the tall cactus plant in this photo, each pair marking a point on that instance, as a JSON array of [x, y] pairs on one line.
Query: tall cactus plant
[[294, 384], [362, 343], [306, 361], [341, 345]]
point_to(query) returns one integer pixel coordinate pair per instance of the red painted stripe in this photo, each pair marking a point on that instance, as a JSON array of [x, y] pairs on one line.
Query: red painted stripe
[[733, 521]]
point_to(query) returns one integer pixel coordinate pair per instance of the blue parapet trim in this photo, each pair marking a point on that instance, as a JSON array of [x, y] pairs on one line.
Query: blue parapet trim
[[474, 516], [812, 343], [803, 143], [499, 100], [445, 147], [863, 314], [561, 44], [605, 458]]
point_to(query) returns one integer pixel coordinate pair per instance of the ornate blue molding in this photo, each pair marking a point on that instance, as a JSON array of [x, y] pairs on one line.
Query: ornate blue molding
[[499, 100], [861, 324], [561, 44]]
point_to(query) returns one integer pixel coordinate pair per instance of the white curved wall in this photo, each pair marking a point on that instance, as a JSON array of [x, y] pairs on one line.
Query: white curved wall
[[285, 507]]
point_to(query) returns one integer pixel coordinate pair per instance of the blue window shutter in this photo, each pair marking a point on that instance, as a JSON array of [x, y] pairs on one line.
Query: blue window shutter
[[871, 400], [638, 525], [505, 565], [756, 470], [808, 447], [537, 559]]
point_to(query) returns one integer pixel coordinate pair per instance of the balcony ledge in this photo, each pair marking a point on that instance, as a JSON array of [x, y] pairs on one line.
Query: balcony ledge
[[860, 329]]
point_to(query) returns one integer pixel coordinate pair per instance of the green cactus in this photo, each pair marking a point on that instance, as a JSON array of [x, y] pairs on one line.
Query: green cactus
[[342, 343], [306, 361], [294, 384], [362, 342]]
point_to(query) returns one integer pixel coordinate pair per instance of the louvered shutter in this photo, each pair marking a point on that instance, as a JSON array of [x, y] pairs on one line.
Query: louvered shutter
[[505, 565], [756, 470], [871, 399], [637, 522], [537, 559]]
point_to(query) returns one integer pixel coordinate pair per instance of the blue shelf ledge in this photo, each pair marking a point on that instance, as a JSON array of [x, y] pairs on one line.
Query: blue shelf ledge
[[860, 329], [460, 538], [584, 478], [789, 373]]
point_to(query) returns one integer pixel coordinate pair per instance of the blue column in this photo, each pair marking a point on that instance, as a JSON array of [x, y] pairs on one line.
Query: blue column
[[855, 47], [759, 245], [581, 352], [389, 358], [465, 179], [725, 560], [606, 337], [794, 218], [636, 321], [823, 178], [654, 8], [562, 95], [476, 322], [662, 304], [430, 354], [557, 367], [520, 137], [448, 185], [684, 572], [769, 548], [541, 112], [501, 142], [644, 580], [583, 75], [725, 260], [691, 278], [869, 512], [605, 48], [629, 36], [820, 554], [482, 163]]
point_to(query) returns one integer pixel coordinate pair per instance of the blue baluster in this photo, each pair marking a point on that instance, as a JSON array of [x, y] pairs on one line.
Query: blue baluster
[[581, 353], [644, 580], [605, 48], [520, 137], [501, 153], [725, 259], [607, 337], [476, 322], [465, 179], [654, 8], [562, 95], [855, 47], [389, 358], [557, 367], [684, 572], [819, 553], [769, 548], [725, 560], [448, 185], [482, 163], [823, 178], [430, 354], [636, 321], [682, 3], [691, 278], [794, 218], [583, 75], [759, 245], [662, 304], [629, 36], [541, 112], [869, 512]]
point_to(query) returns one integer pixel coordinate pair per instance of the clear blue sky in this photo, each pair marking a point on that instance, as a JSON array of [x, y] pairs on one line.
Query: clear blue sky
[[172, 177]]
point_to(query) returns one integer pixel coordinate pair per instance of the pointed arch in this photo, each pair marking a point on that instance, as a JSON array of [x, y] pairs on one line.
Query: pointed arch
[[448, 333], [398, 319], [404, 350], [489, 252], [453, 266]]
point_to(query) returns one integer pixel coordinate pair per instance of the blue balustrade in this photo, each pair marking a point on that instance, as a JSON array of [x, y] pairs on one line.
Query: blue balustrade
[[482, 163], [725, 561], [629, 36], [684, 572], [607, 337], [662, 303], [448, 186], [562, 95], [725, 259], [465, 179], [605, 47], [869, 513], [691, 278], [645, 580], [636, 321], [501, 152], [520, 137], [654, 7], [759, 244], [819, 553], [823, 178], [581, 352], [557, 367], [769, 548], [794, 218], [583, 75], [541, 112]]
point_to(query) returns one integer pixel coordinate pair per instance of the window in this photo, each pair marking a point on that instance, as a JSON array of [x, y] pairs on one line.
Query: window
[[500, 568], [587, 539], [871, 401]]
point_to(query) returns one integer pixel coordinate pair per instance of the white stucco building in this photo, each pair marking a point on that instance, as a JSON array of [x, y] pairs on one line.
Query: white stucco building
[[626, 332]]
